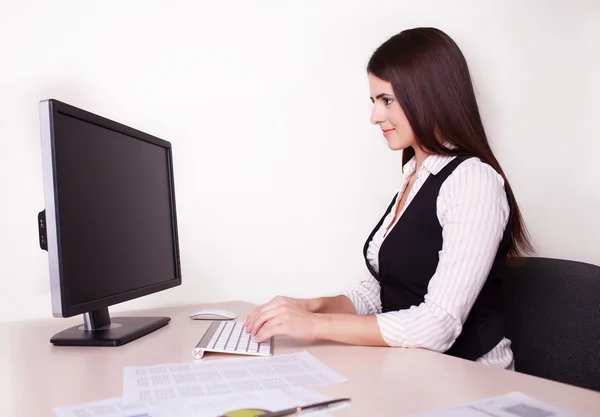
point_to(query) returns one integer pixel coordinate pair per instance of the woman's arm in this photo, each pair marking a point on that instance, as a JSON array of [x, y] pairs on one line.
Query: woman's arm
[[350, 329], [362, 299], [338, 304], [474, 212], [283, 316]]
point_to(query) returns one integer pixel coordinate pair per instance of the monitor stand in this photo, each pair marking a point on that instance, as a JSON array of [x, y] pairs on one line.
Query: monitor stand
[[98, 330]]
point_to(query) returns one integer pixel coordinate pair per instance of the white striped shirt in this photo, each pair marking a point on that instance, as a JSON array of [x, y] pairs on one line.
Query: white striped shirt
[[473, 210]]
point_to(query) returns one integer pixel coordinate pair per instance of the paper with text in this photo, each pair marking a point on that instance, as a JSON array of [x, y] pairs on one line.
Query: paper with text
[[176, 381], [113, 407], [209, 406], [515, 404], [218, 405]]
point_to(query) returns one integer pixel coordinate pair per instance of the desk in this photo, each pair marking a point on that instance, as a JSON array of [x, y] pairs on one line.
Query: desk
[[36, 376]]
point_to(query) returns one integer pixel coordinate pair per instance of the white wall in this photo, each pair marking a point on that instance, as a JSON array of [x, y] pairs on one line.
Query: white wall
[[279, 176]]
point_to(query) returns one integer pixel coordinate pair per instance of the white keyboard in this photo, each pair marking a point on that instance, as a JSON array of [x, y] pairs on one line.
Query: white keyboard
[[230, 337]]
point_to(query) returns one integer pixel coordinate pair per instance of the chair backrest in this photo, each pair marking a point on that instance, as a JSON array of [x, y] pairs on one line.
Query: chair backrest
[[552, 315]]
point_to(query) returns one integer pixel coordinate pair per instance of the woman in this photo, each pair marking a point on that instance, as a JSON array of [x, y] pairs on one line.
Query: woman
[[434, 257]]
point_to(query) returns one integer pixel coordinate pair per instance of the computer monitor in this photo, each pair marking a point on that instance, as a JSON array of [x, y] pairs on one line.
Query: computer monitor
[[109, 224]]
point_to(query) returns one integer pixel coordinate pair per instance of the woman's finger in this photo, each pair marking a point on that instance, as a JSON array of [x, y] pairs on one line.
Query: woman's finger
[[272, 327], [251, 316], [256, 312], [274, 303], [265, 316]]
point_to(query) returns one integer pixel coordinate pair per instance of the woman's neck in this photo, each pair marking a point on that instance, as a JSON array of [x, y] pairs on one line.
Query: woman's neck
[[420, 156]]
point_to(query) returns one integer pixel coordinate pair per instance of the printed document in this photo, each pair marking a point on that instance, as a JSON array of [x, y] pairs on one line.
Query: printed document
[[515, 404], [210, 406], [168, 382]]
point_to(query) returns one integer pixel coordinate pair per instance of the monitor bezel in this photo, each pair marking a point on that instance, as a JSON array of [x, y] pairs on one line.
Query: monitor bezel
[[61, 305]]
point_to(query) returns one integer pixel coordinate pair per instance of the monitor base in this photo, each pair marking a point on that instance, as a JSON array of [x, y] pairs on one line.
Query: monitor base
[[122, 330]]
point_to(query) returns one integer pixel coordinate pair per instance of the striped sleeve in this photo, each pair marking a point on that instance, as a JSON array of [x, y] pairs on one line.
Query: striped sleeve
[[473, 211], [365, 296], [501, 356]]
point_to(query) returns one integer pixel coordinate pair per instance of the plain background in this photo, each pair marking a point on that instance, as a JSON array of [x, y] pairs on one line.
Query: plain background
[[279, 175]]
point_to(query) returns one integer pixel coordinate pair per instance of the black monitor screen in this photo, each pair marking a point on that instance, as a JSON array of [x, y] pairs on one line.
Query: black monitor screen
[[114, 208]]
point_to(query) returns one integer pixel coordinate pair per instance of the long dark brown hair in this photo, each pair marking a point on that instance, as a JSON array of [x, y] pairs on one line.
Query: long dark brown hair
[[432, 84]]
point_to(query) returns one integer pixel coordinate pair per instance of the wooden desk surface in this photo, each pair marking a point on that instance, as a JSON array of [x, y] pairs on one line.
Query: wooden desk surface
[[36, 376]]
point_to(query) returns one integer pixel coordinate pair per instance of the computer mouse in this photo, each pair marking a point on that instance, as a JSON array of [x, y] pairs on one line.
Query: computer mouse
[[213, 314]]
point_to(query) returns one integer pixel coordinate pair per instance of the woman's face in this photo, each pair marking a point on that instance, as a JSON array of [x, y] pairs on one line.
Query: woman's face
[[388, 114]]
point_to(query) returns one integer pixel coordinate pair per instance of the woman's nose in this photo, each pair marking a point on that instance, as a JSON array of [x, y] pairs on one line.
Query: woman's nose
[[376, 116]]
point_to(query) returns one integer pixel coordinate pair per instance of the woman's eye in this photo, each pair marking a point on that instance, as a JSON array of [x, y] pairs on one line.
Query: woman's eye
[[388, 101]]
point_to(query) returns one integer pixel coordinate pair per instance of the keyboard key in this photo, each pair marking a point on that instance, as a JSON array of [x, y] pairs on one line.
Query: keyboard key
[[244, 341], [231, 336]]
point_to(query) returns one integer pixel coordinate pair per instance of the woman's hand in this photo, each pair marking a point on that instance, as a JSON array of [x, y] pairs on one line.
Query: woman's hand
[[283, 316]]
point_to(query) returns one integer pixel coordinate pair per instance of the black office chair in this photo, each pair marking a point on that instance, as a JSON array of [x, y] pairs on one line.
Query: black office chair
[[552, 313]]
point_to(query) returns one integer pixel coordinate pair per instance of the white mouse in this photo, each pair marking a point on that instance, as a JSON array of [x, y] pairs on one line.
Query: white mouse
[[213, 314]]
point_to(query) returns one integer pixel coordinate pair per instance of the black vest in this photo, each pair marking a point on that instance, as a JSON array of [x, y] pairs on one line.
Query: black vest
[[408, 258]]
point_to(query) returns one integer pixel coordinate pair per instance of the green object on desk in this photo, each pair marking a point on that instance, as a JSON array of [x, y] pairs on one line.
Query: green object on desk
[[254, 412]]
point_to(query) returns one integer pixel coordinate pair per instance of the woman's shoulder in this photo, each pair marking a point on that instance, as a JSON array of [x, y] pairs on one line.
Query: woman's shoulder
[[474, 174], [473, 167], [475, 191]]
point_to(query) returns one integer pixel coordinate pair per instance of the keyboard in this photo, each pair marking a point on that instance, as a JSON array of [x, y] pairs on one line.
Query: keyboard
[[230, 337]]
